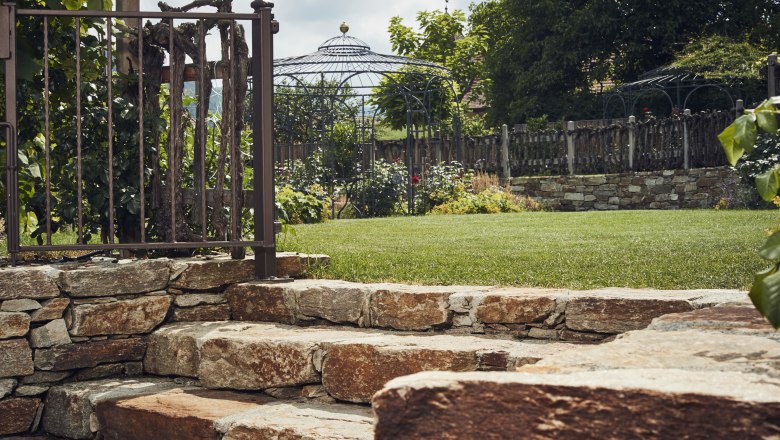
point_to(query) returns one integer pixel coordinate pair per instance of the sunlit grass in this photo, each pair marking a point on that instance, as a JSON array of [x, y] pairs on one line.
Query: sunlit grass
[[659, 249]]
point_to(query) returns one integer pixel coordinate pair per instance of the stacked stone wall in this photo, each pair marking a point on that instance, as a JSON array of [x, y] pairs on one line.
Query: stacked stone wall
[[82, 321], [670, 189]]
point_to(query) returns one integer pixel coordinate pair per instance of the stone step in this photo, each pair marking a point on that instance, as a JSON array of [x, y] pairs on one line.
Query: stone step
[[352, 364], [582, 316], [703, 374], [149, 408]]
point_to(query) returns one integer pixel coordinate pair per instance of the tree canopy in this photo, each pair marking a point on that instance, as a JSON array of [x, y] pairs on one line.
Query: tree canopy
[[547, 56]]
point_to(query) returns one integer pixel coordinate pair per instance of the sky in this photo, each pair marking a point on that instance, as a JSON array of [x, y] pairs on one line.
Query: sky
[[305, 24]]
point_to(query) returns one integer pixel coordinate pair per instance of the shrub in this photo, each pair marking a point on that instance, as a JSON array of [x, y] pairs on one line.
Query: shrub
[[441, 184], [295, 207], [383, 193], [490, 201]]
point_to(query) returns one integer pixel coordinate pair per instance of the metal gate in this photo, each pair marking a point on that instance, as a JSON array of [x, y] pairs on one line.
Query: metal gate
[[261, 196]]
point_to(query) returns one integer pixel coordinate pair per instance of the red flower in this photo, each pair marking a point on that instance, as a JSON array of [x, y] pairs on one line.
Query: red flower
[[645, 109], [415, 180]]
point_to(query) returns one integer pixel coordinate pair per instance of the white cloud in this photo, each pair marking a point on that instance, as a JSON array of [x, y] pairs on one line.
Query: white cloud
[[305, 24]]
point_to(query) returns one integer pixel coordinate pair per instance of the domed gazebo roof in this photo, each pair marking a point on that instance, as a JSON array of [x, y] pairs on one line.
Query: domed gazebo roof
[[346, 61]]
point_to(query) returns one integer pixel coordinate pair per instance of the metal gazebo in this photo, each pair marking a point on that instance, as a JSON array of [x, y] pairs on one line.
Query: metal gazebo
[[333, 100]]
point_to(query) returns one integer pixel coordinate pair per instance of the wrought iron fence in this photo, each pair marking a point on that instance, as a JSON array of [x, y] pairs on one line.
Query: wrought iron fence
[[140, 159]]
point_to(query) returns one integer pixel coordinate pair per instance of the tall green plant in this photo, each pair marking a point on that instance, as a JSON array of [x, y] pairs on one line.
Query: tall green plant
[[738, 139]]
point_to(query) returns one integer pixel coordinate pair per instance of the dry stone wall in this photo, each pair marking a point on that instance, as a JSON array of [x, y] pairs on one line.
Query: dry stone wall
[[84, 321], [671, 189]]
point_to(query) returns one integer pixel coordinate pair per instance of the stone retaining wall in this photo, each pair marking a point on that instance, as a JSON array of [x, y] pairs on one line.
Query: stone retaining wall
[[671, 189], [83, 321]]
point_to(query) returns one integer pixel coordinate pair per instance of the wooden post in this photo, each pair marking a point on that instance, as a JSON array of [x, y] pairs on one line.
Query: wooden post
[[686, 140], [631, 141], [506, 173], [570, 146], [772, 75]]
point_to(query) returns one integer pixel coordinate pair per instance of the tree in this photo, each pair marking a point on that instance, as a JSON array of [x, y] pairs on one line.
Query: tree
[[446, 39], [545, 56]]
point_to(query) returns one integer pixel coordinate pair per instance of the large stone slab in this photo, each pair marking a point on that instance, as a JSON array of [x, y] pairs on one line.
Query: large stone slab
[[683, 350], [29, 282], [619, 311], [129, 317], [333, 301], [354, 370], [70, 409], [300, 421], [217, 312], [89, 354], [17, 415], [742, 319], [207, 274], [15, 358], [647, 403], [265, 356], [174, 350], [14, 324], [120, 278], [178, 414], [409, 307]]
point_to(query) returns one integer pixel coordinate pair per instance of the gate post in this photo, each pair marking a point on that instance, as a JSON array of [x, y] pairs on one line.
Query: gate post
[[631, 141], [686, 139], [263, 28], [8, 53]]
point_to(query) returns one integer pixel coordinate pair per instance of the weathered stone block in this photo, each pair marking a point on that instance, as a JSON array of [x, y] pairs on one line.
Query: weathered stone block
[[29, 282], [618, 315], [501, 308], [15, 358], [17, 415], [628, 404], [121, 278], [14, 324], [219, 312], [89, 354], [301, 421], [259, 301], [334, 301], [203, 274], [574, 196], [136, 316], [51, 309], [70, 409], [51, 334], [179, 414], [409, 308], [6, 387], [199, 299], [20, 305]]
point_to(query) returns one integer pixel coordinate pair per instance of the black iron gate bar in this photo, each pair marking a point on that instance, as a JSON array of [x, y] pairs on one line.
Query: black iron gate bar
[[263, 28]]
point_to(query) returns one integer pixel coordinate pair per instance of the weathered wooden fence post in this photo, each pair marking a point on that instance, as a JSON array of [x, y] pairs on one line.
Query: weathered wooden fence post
[[506, 173], [686, 140], [772, 75], [631, 141], [570, 146]]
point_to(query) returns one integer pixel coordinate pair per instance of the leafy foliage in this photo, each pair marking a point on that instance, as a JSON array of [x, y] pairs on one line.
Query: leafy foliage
[[295, 207], [490, 201], [547, 56], [738, 139], [718, 56]]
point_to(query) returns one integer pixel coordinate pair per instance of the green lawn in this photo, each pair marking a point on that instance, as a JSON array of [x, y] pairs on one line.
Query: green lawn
[[659, 249]]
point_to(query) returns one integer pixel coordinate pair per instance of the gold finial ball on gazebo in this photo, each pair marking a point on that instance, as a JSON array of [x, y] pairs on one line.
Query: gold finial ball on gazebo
[[344, 27]]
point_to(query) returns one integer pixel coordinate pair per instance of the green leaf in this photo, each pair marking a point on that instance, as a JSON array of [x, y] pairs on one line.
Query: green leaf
[[745, 132], [766, 117], [771, 248], [767, 292], [767, 184], [35, 170], [733, 152]]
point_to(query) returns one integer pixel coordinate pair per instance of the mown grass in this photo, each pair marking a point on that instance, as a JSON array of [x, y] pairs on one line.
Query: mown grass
[[658, 249]]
